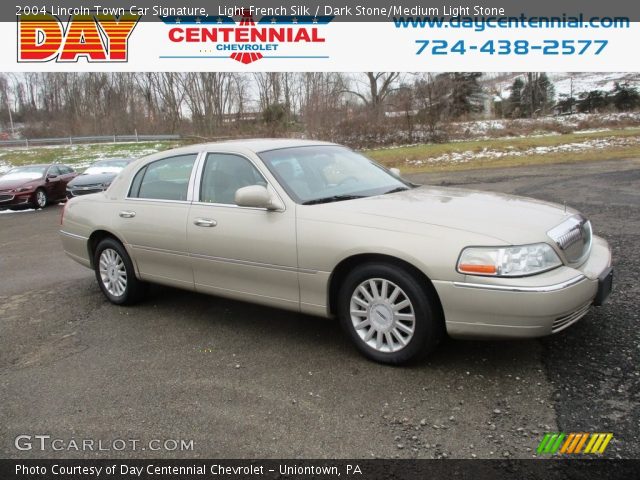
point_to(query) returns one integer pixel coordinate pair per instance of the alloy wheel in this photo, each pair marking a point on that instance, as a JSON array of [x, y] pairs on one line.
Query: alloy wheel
[[382, 315], [113, 272], [41, 199]]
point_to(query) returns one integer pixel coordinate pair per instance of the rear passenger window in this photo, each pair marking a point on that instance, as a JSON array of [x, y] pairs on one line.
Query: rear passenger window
[[166, 179]]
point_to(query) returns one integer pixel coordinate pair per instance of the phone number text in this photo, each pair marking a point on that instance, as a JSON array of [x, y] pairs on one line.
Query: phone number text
[[512, 47]]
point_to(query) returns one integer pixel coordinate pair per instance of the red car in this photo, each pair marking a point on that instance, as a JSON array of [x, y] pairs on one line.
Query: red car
[[34, 185]]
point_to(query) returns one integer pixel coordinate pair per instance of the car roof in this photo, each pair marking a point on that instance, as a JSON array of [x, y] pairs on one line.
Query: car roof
[[242, 146], [33, 165], [114, 159], [258, 145], [255, 145]]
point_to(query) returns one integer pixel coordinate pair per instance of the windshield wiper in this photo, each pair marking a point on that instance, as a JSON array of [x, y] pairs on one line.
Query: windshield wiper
[[333, 198], [396, 190]]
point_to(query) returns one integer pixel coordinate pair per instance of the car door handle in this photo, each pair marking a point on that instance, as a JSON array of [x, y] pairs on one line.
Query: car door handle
[[205, 222], [127, 214]]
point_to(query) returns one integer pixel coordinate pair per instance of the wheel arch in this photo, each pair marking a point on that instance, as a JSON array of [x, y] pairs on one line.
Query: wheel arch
[[346, 265], [96, 237]]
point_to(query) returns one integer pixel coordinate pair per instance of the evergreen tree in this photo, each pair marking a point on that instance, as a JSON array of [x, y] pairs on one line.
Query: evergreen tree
[[514, 102], [593, 101], [625, 97], [537, 94], [466, 94]]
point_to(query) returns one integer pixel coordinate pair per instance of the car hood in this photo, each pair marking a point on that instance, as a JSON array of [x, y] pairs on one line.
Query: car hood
[[92, 179], [13, 184], [511, 219]]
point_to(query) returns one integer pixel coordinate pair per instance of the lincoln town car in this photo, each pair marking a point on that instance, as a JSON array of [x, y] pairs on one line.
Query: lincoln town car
[[317, 228]]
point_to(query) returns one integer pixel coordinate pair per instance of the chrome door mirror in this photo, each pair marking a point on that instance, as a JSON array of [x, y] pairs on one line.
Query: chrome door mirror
[[395, 171]]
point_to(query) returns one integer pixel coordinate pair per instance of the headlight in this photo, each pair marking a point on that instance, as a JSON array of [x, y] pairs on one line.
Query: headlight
[[515, 261], [23, 189]]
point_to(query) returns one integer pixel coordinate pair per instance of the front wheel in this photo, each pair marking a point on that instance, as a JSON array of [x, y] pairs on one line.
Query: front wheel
[[115, 273], [389, 315], [40, 198]]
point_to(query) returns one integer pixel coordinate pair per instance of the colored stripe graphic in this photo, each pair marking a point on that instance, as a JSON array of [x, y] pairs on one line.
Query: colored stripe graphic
[[573, 443]]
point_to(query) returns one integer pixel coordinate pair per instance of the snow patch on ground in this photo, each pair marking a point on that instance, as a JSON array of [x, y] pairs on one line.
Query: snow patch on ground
[[4, 212], [493, 154], [482, 128], [82, 156]]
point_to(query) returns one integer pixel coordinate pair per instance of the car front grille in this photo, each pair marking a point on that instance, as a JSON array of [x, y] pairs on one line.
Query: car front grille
[[563, 322], [5, 197], [573, 237], [86, 189]]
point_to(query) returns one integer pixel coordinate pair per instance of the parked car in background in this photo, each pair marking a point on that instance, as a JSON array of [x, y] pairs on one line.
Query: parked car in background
[[317, 228], [97, 177], [34, 185]]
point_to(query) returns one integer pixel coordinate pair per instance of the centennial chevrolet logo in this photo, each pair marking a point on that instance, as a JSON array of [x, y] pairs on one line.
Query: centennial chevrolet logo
[[97, 38], [574, 443], [247, 41]]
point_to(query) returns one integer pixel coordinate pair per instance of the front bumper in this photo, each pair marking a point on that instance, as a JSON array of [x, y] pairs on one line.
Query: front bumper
[[485, 307], [16, 200]]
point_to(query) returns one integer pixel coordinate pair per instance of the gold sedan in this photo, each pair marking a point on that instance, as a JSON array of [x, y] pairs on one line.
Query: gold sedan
[[317, 228]]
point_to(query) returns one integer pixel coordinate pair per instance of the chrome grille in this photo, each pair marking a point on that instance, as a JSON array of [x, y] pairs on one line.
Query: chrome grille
[[93, 186], [86, 189], [573, 237], [563, 322]]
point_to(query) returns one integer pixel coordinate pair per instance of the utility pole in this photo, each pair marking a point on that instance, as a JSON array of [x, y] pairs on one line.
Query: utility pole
[[571, 95], [13, 131]]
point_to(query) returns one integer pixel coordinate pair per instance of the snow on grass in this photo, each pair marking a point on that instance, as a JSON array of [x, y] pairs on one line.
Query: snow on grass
[[542, 126], [77, 156], [510, 151]]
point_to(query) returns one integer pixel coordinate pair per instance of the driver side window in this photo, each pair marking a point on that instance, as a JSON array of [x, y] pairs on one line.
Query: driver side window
[[223, 174]]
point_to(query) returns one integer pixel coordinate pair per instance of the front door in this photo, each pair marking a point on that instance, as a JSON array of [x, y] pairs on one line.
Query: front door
[[245, 253]]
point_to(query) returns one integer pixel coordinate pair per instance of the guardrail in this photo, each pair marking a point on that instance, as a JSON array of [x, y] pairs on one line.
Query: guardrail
[[28, 142]]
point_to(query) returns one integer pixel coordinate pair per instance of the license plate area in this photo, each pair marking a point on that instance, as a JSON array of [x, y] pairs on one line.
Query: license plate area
[[605, 285]]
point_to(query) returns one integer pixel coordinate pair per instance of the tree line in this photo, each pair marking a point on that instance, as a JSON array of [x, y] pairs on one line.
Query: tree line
[[351, 108]]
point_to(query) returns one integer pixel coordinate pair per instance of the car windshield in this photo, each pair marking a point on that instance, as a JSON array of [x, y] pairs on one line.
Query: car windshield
[[106, 166], [322, 174], [25, 173]]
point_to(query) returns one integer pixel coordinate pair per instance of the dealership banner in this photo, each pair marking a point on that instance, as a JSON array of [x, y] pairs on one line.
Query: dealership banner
[[352, 36]]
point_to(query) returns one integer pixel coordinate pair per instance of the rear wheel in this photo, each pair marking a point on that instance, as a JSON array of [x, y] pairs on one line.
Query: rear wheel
[[389, 315], [40, 198], [115, 273]]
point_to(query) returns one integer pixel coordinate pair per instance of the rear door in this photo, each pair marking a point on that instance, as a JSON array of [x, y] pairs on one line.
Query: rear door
[[152, 220]]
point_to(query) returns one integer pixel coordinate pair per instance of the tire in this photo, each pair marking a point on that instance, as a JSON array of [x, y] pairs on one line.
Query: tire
[[396, 325], [40, 199], [115, 273]]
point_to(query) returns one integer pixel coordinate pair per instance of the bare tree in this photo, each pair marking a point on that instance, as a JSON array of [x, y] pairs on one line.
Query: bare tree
[[376, 89]]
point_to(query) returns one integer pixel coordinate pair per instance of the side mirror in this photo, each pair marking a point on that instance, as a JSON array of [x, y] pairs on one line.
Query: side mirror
[[256, 196], [51, 176], [395, 171]]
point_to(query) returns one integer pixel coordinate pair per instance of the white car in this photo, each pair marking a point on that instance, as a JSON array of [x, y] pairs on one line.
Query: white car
[[319, 229]]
